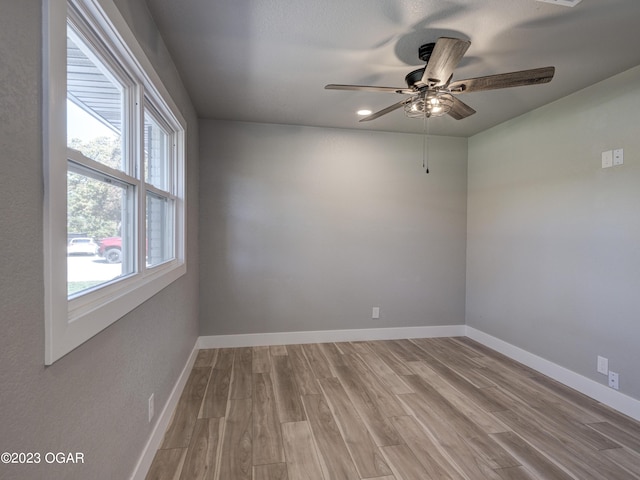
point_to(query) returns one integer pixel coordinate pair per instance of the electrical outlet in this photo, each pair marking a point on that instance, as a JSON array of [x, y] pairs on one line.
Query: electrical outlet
[[375, 312], [151, 407], [613, 380], [603, 365]]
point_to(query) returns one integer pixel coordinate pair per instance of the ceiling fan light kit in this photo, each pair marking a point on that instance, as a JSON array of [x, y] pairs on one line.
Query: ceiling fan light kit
[[433, 104]]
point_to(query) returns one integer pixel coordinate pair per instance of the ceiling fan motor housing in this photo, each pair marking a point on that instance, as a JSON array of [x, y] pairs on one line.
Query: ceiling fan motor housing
[[425, 51], [414, 77]]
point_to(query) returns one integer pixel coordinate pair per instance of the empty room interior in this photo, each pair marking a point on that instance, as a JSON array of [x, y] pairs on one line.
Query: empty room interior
[[274, 240]]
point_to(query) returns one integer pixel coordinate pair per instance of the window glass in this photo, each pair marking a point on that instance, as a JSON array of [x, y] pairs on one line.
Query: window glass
[[99, 243], [156, 152], [160, 229], [94, 106]]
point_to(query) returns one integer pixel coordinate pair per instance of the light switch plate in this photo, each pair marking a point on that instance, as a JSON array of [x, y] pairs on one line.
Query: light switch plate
[[603, 365], [607, 159]]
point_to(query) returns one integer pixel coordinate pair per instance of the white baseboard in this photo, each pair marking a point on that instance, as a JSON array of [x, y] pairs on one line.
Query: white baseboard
[[602, 393], [162, 422], [324, 336]]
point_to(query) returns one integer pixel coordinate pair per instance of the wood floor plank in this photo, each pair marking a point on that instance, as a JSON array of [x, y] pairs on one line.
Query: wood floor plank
[[620, 420], [627, 459], [460, 452], [214, 404], [387, 376], [617, 435], [277, 350], [366, 455], [241, 377], [488, 423], [274, 471], [202, 454], [317, 360], [515, 473], [288, 400], [378, 423], [300, 451], [184, 418], [494, 455], [224, 359], [581, 460], [470, 369], [575, 398], [333, 355], [380, 348], [267, 440], [387, 401], [167, 464], [348, 348], [261, 360], [403, 350], [236, 448], [426, 450], [334, 456], [481, 396], [530, 457], [305, 379], [206, 357], [404, 463]]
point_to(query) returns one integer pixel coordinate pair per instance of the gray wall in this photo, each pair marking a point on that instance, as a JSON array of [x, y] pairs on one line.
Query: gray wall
[[94, 400], [309, 228], [553, 239]]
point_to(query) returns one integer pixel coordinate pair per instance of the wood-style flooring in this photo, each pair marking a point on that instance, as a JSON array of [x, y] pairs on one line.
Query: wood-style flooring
[[438, 408]]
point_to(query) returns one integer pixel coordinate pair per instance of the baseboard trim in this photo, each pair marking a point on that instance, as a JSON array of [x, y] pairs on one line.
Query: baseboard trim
[[323, 336], [162, 422], [602, 393]]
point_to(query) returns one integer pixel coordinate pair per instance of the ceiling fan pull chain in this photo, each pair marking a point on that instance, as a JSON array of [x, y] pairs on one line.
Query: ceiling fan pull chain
[[425, 146]]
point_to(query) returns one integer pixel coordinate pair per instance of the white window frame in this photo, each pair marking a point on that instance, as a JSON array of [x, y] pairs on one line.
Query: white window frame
[[71, 322]]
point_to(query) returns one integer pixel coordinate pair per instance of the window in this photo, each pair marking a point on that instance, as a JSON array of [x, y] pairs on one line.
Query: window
[[114, 174]]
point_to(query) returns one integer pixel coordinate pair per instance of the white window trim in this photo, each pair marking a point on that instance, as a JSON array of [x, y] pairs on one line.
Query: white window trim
[[69, 323]]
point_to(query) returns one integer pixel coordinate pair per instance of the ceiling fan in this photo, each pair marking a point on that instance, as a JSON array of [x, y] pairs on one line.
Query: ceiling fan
[[431, 91]]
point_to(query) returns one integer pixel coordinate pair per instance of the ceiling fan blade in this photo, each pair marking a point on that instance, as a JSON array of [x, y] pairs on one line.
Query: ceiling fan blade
[[384, 111], [368, 88], [460, 110], [504, 80], [445, 57]]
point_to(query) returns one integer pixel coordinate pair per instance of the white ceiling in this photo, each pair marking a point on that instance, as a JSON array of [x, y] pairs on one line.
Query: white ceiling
[[268, 60]]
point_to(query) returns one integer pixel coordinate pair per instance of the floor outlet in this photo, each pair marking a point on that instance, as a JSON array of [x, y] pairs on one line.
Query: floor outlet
[[151, 408], [613, 380], [603, 365]]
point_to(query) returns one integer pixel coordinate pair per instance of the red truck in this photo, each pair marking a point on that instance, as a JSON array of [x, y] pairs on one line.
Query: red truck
[[110, 249]]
